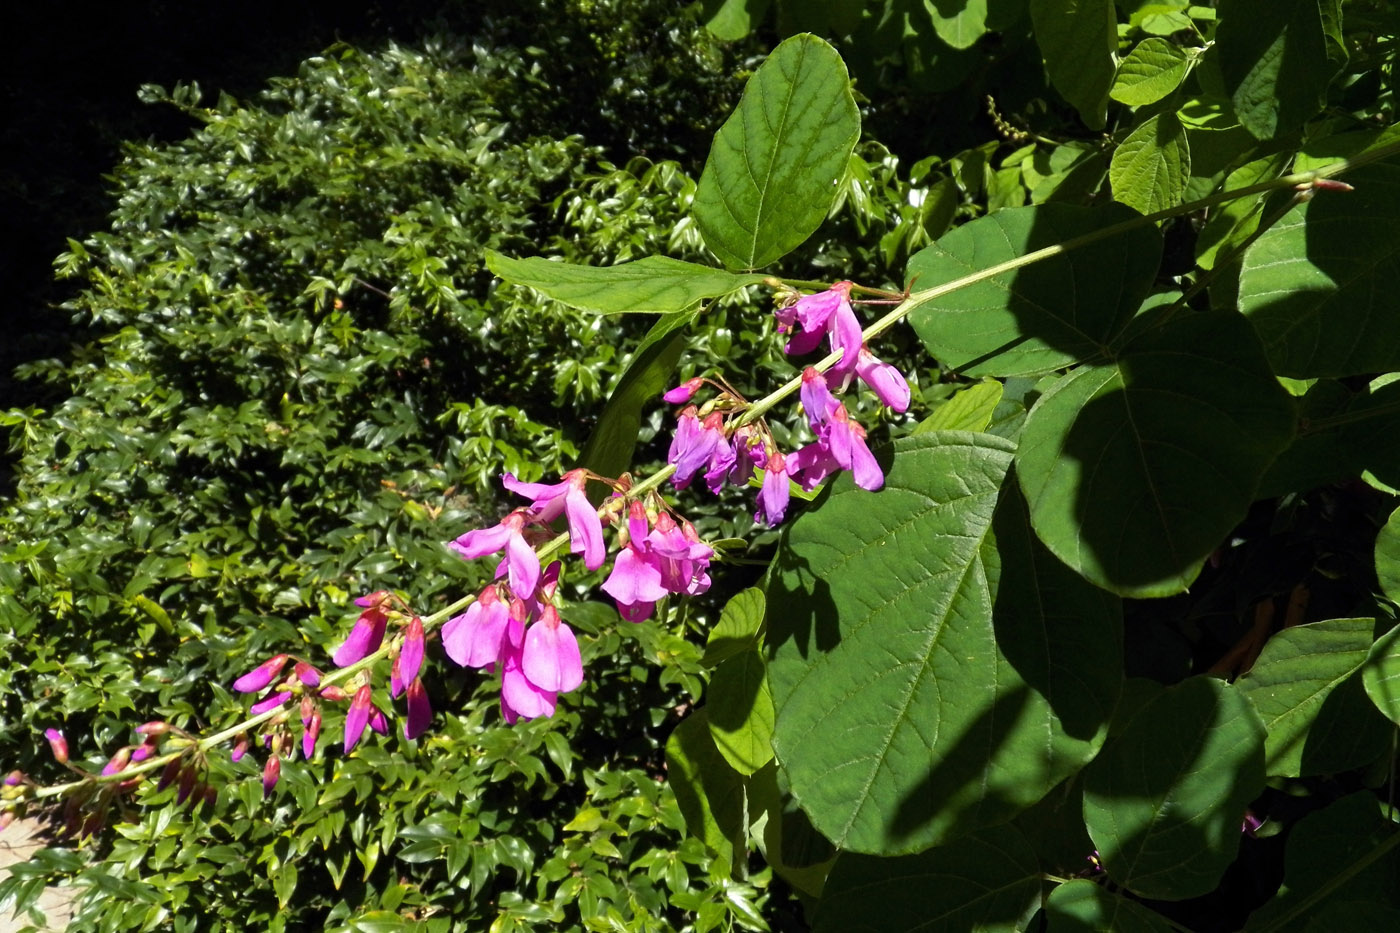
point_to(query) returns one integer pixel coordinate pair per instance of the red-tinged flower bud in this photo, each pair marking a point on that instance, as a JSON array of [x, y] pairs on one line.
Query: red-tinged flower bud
[[117, 762], [271, 772], [420, 713], [240, 748], [72, 817], [272, 702], [411, 654], [187, 781], [211, 796], [308, 675], [14, 778], [6, 819], [260, 676], [155, 727], [378, 721], [683, 392], [357, 717], [334, 693], [145, 750], [58, 745], [168, 775], [308, 738], [93, 825], [196, 799], [308, 706]]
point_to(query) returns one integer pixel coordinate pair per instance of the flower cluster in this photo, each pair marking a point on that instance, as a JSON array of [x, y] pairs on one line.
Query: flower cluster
[[702, 439]]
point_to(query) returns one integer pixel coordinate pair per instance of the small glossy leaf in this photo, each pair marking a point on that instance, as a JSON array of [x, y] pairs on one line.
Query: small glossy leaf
[[1164, 798], [988, 882], [1150, 169], [1293, 677], [732, 20], [968, 409], [654, 285], [709, 792], [1381, 675], [1274, 61], [1082, 906], [1077, 39], [610, 446], [741, 712], [1136, 471], [772, 171], [1042, 317], [1317, 285], [1151, 71], [959, 23]]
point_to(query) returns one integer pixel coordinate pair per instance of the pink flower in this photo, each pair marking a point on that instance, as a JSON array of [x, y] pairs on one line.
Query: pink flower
[[680, 555], [550, 656], [260, 676], [357, 716], [694, 443], [683, 392], [240, 748], [812, 314], [368, 633], [477, 637], [884, 380], [117, 762], [521, 560], [571, 498], [843, 333], [817, 398], [521, 698], [668, 559], [846, 440], [58, 745], [420, 713], [310, 734], [272, 702], [308, 675], [410, 659], [773, 497]]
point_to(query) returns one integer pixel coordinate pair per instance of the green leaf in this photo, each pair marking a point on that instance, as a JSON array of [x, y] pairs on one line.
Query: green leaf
[[1388, 558], [1150, 169], [1083, 905], [732, 20], [741, 712], [900, 723], [968, 409], [1317, 286], [771, 174], [1275, 63], [1163, 800], [1381, 675], [709, 792], [959, 23], [1331, 859], [1231, 224], [738, 628], [988, 882], [1077, 40], [1136, 470], [1151, 71], [1042, 317], [1293, 677], [611, 445], [654, 285]]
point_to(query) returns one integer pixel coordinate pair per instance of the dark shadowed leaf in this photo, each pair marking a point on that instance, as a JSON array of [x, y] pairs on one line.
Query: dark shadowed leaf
[[1077, 39]]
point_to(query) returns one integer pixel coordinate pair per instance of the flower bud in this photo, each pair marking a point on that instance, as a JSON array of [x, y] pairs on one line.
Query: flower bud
[[271, 772], [260, 676], [58, 745], [187, 782], [240, 748], [14, 778], [172, 769], [420, 713], [272, 702], [308, 738], [334, 693], [6, 818], [308, 675], [357, 717], [117, 762], [156, 727], [683, 392]]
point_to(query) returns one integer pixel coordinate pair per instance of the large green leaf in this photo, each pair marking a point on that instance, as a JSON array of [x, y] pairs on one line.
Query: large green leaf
[[1318, 285], [1083, 906], [1293, 678], [741, 712], [1151, 71], [988, 882], [968, 409], [614, 439], [1136, 470], [734, 19], [655, 285], [1042, 317], [1077, 39], [1388, 558], [1381, 675], [739, 628], [1274, 61], [1150, 169], [1163, 800], [960, 23], [711, 794], [772, 171], [901, 724], [1331, 860]]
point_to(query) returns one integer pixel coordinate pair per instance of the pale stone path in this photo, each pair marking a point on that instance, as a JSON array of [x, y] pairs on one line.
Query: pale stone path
[[18, 842]]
